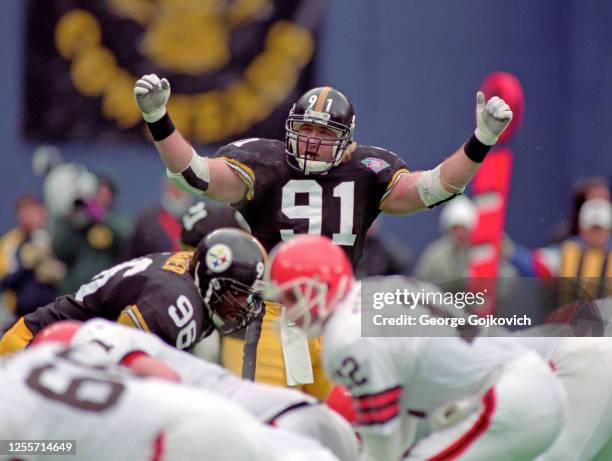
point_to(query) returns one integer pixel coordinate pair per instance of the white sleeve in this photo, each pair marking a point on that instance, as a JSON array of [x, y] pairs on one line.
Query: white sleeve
[[321, 423], [195, 371], [366, 368], [110, 342]]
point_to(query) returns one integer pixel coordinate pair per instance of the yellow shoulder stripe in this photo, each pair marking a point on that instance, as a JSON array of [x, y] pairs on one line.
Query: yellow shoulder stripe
[[132, 317], [391, 185], [245, 173]]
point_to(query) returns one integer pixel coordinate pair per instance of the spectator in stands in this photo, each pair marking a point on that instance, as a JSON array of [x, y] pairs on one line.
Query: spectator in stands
[[448, 256], [29, 273], [107, 191], [447, 259], [584, 189], [586, 257], [86, 237], [106, 198]]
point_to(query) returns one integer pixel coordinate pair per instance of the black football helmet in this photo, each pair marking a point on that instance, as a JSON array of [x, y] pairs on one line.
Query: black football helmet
[[204, 217], [323, 106], [228, 268]]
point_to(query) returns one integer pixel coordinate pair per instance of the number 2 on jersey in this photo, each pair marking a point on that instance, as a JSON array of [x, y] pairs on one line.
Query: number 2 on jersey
[[349, 373], [345, 191]]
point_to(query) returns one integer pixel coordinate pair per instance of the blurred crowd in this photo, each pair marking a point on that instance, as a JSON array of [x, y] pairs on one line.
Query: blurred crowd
[[74, 231]]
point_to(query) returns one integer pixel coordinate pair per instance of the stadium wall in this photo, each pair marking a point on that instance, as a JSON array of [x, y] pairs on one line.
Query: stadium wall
[[411, 69]]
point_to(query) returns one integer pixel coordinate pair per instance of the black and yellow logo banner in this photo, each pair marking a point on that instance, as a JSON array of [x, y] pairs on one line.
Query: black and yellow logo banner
[[235, 66]]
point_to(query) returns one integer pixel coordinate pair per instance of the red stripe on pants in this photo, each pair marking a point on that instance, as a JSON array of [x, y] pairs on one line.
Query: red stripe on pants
[[479, 428], [159, 447]]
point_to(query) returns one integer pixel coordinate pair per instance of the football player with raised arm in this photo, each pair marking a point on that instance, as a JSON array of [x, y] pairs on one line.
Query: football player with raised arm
[[180, 297], [317, 181], [480, 398]]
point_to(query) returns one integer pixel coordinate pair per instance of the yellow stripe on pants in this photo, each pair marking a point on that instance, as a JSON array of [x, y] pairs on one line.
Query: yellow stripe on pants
[[270, 364], [16, 338]]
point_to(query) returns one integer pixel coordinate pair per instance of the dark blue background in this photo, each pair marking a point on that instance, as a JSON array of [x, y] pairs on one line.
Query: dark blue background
[[411, 69]]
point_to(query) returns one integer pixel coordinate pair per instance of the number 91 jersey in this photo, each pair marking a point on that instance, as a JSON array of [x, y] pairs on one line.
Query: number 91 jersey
[[341, 203]]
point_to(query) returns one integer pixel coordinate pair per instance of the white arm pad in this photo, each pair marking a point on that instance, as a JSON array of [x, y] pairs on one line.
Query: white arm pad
[[193, 179], [431, 190]]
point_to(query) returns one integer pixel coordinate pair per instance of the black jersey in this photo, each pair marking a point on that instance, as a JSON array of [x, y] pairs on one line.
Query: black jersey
[[154, 293], [341, 203], [204, 217]]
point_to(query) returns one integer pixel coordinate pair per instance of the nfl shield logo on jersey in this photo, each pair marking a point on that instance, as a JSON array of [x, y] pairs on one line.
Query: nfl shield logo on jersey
[[375, 164], [219, 258]]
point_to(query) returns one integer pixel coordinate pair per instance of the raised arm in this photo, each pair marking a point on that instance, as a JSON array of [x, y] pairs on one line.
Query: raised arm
[[420, 189], [188, 170]]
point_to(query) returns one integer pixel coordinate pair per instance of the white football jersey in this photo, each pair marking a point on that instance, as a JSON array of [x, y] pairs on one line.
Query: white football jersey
[[47, 393], [107, 343], [392, 376], [288, 446], [544, 346], [110, 342]]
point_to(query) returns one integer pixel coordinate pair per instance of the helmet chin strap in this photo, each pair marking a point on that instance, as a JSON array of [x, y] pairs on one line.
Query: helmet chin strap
[[313, 166], [308, 166]]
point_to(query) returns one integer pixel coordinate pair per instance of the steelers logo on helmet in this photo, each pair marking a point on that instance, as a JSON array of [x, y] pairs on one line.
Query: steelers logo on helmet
[[219, 258], [227, 262]]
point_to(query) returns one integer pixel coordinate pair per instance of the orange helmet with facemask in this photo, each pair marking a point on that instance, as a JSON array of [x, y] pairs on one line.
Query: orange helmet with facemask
[[309, 275]]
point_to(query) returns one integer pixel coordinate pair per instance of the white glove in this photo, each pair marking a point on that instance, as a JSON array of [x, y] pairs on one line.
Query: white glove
[[491, 119], [152, 95]]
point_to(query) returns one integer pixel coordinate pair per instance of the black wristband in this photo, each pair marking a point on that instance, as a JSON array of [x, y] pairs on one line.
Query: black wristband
[[161, 129], [475, 150]]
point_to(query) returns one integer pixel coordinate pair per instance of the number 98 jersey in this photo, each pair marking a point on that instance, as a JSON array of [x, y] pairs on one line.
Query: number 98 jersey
[[341, 203], [154, 293]]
